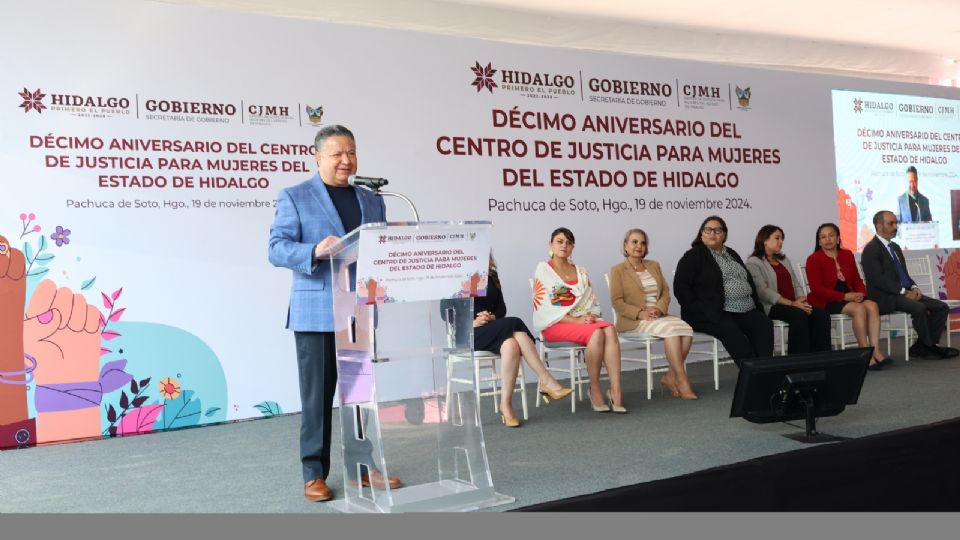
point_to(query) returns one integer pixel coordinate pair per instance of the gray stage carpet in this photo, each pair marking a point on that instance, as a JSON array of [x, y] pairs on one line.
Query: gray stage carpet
[[253, 466]]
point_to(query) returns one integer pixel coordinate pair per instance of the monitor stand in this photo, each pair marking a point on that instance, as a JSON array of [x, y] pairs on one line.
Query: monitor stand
[[811, 436]]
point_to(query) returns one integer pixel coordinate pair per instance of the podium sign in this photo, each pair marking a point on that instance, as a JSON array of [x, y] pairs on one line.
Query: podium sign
[[924, 235], [411, 263], [396, 290]]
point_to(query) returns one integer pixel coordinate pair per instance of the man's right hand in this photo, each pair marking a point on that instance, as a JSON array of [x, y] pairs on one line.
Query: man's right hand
[[913, 294], [323, 248]]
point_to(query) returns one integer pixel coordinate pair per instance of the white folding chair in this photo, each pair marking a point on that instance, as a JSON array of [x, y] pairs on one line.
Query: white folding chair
[[574, 352], [638, 341], [699, 338], [838, 321], [921, 271], [481, 360]]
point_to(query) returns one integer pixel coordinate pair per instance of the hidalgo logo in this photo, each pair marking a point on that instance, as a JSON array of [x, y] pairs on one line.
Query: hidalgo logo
[[743, 97], [32, 100], [314, 114], [858, 105], [484, 77]]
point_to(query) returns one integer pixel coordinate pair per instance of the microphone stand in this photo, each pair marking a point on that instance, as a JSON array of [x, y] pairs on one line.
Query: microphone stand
[[416, 215]]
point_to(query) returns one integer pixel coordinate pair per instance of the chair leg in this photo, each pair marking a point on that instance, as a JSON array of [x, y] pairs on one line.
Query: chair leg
[[574, 378], [446, 398], [649, 373], [906, 338], [477, 381], [543, 359], [523, 393], [716, 366]]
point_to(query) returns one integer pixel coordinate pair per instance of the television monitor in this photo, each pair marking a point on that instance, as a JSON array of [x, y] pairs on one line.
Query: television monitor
[[800, 387]]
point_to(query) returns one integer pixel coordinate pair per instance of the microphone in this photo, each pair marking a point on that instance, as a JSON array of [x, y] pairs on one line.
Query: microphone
[[367, 181]]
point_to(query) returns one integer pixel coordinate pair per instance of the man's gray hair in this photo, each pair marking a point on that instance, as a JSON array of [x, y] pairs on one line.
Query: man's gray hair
[[326, 132]]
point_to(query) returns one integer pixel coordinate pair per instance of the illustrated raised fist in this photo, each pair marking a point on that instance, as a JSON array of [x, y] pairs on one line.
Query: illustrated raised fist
[[13, 376], [62, 332]]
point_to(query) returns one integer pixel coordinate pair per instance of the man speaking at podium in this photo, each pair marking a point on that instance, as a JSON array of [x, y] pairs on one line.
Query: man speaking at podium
[[309, 219], [914, 207]]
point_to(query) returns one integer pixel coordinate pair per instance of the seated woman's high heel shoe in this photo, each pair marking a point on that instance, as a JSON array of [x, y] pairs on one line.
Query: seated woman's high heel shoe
[[670, 385], [619, 409], [685, 392], [555, 395], [510, 422], [598, 408], [601, 408]]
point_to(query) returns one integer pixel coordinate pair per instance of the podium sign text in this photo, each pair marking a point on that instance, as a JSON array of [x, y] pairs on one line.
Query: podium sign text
[[411, 264]]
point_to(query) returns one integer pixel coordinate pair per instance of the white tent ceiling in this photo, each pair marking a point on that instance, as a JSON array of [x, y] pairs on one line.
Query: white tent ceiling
[[913, 41]]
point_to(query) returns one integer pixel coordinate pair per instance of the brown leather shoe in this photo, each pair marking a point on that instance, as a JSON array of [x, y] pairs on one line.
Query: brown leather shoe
[[316, 490], [376, 478]]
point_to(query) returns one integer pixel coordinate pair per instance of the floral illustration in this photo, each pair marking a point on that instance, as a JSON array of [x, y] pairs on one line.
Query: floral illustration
[[72, 387], [131, 415], [184, 412], [847, 218], [27, 220], [268, 408], [109, 302], [949, 270], [561, 295], [139, 420], [951, 274], [369, 292], [169, 388], [61, 237], [864, 236], [539, 291], [474, 286]]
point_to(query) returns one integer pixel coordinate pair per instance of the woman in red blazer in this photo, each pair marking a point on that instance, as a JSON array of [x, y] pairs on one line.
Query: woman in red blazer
[[836, 286]]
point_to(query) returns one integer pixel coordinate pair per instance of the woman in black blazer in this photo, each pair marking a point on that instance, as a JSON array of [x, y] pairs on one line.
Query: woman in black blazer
[[717, 295]]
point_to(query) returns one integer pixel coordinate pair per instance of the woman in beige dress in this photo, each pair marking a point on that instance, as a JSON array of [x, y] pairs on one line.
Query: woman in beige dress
[[640, 296]]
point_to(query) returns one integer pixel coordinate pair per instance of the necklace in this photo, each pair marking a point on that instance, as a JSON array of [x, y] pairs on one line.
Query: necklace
[[637, 268], [569, 274]]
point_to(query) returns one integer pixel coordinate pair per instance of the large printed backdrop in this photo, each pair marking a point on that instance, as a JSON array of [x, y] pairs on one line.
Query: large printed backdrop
[[143, 145]]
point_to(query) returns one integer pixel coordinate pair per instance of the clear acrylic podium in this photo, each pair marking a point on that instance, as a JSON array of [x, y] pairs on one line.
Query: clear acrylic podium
[[392, 363]]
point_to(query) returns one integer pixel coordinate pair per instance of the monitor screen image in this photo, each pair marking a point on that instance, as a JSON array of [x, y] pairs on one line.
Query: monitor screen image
[[899, 153]]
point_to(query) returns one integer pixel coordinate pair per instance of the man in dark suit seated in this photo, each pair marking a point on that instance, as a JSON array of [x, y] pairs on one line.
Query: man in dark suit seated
[[892, 288], [913, 207]]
